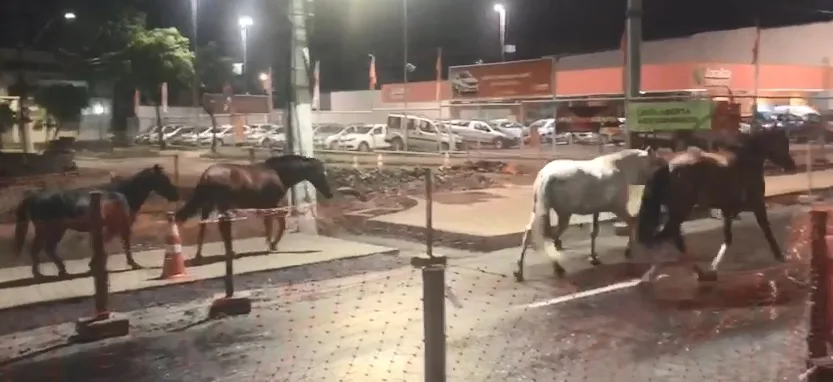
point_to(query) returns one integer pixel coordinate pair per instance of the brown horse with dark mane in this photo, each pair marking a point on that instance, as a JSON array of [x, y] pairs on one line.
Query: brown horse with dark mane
[[731, 180], [224, 187], [53, 212]]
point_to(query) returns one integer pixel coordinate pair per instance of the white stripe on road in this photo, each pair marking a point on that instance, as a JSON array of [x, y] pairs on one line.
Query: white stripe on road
[[582, 294]]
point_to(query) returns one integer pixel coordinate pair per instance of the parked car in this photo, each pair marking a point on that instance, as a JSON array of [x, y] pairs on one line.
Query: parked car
[[463, 82], [225, 136], [275, 138], [586, 137], [192, 138], [546, 131], [178, 138], [801, 122], [327, 136], [256, 134], [512, 128], [481, 133], [152, 134], [419, 133], [365, 138]]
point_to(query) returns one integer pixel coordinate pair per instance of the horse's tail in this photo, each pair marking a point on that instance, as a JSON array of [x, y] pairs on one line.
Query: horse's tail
[[22, 225], [201, 195], [654, 196], [539, 219]]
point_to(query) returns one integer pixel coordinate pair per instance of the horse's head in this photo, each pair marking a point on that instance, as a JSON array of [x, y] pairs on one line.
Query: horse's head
[[772, 144], [294, 169], [159, 182], [638, 164]]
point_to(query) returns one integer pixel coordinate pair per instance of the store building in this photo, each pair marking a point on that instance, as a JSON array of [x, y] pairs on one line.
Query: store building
[[794, 67]]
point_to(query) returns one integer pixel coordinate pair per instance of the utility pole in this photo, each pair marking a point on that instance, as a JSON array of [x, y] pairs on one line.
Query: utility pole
[[299, 110], [633, 24]]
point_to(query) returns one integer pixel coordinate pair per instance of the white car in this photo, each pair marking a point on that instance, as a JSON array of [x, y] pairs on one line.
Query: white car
[[256, 134], [192, 138], [179, 137], [225, 136], [327, 136], [273, 138], [365, 138], [168, 131], [546, 129]]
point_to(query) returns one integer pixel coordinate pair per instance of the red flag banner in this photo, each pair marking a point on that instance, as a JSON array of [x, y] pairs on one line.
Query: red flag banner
[[439, 69], [372, 73]]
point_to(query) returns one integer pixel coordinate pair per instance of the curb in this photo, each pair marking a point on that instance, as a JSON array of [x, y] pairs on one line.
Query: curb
[[188, 281]]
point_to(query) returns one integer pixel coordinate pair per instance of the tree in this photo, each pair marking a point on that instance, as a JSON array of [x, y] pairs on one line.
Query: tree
[[215, 72], [7, 119], [63, 102], [158, 56]]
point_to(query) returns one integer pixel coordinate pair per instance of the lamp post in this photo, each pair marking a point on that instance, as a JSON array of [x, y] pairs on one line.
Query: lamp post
[[195, 29], [245, 22], [501, 12]]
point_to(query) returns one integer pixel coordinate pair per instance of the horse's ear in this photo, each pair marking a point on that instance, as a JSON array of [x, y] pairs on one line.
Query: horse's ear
[[157, 168]]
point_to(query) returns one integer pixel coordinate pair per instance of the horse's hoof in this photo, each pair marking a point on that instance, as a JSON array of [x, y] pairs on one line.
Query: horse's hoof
[[707, 276], [558, 245], [136, 266], [519, 276], [628, 254], [559, 270], [595, 261]]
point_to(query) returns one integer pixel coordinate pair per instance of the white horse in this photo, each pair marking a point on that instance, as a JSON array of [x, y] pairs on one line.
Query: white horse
[[584, 187]]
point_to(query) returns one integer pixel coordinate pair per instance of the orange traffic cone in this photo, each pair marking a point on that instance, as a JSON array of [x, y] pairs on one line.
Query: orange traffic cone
[[174, 265]]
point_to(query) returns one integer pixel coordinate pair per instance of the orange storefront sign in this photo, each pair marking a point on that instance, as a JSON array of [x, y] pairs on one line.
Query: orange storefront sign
[[517, 79]]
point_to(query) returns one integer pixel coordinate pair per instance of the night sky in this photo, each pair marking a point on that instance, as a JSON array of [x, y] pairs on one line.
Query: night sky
[[345, 31]]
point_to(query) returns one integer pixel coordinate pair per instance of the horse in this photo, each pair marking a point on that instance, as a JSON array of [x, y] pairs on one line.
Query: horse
[[261, 185], [53, 212], [586, 187], [731, 180]]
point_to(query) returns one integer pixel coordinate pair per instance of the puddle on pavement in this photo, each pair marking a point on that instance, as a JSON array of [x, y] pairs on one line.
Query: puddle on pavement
[[464, 197]]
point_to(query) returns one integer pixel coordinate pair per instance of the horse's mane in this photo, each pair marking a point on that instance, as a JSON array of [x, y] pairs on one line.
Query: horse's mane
[[288, 160], [614, 157]]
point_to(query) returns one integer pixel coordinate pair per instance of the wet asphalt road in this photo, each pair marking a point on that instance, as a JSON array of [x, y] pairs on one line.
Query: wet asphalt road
[[367, 325]]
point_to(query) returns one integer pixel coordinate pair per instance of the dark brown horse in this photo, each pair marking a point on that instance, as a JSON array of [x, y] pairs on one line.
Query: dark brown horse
[[731, 181], [53, 212], [225, 187]]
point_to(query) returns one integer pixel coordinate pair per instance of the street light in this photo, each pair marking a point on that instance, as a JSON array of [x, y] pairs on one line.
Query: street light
[[501, 12], [69, 16], [245, 22]]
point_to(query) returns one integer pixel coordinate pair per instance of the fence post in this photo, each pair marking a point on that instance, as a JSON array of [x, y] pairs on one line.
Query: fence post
[[176, 169], [229, 304], [103, 324], [252, 158], [819, 298], [433, 295]]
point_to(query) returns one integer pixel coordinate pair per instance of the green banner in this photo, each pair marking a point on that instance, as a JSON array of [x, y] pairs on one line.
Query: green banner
[[669, 116]]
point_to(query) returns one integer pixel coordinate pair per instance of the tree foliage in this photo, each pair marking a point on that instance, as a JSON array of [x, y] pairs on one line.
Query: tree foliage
[[157, 56]]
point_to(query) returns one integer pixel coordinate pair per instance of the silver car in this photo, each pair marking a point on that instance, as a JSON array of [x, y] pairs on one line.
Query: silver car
[[481, 133]]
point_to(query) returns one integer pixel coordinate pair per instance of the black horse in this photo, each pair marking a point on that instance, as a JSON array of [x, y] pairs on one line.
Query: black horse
[[224, 187], [54, 211], [732, 181]]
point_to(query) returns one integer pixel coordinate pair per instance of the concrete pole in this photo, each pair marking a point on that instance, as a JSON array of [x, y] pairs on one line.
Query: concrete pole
[[634, 60], [299, 111]]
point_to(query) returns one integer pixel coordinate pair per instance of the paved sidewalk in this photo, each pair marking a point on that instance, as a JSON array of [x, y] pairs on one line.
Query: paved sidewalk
[[506, 211], [18, 288]]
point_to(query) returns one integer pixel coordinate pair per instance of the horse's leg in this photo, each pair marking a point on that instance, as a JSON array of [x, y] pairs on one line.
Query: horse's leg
[[763, 221], [126, 234], [51, 240], [206, 212], [625, 216], [273, 246], [594, 257], [34, 251], [519, 273], [711, 275], [225, 228], [563, 223], [268, 224]]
